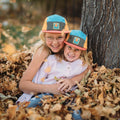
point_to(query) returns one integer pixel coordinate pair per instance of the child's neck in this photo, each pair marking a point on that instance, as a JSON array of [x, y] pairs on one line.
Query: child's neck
[[69, 60]]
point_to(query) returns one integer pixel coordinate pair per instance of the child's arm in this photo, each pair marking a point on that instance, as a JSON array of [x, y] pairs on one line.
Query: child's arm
[[26, 84], [67, 84], [42, 88]]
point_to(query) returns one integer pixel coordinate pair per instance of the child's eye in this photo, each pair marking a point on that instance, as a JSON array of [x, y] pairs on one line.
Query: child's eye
[[59, 37], [69, 47], [49, 37], [76, 50]]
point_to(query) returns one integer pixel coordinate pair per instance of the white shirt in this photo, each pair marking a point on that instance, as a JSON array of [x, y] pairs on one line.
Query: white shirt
[[52, 69]]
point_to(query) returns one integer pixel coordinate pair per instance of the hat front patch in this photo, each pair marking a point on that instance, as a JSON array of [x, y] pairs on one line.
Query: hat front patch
[[76, 40], [56, 26]]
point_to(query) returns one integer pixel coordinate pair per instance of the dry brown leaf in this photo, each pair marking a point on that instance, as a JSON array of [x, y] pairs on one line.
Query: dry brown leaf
[[108, 111], [56, 117], [107, 86], [86, 114], [77, 100], [101, 99], [11, 111], [56, 107], [9, 48], [22, 115], [68, 117], [103, 69], [46, 108]]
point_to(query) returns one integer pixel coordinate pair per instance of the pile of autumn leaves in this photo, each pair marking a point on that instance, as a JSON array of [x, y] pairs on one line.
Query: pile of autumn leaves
[[98, 94]]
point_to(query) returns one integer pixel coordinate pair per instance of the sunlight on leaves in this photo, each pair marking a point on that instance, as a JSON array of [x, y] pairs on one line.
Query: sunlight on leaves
[[9, 48], [26, 29]]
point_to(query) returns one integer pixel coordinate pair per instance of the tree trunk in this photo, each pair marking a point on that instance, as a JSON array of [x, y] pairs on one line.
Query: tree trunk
[[101, 22]]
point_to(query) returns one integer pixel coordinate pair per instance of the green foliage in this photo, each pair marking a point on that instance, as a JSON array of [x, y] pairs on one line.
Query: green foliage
[[19, 38]]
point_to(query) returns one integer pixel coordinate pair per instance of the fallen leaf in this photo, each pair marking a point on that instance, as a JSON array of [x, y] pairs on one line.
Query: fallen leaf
[[11, 111], [56, 107], [68, 117], [9, 48]]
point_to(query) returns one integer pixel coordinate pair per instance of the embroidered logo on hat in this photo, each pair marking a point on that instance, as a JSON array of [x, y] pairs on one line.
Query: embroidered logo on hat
[[76, 40], [56, 26]]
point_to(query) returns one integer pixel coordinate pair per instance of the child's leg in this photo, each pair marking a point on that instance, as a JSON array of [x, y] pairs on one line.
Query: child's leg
[[35, 101]]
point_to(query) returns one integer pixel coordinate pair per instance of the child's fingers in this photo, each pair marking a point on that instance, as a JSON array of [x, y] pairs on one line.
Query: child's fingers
[[61, 86], [67, 90], [64, 88]]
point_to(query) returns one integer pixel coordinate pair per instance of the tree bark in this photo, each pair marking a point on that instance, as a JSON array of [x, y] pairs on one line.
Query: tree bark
[[101, 22]]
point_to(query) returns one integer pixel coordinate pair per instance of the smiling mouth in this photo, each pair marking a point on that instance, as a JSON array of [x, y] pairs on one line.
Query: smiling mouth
[[70, 56], [54, 47]]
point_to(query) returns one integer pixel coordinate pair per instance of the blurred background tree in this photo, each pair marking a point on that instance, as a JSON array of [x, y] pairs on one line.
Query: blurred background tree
[[34, 11], [101, 22]]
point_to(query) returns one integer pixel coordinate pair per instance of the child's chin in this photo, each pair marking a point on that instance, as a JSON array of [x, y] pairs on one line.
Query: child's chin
[[55, 50], [69, 60]]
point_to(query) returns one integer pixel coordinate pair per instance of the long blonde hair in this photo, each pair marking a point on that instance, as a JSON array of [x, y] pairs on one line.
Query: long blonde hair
[[84, 57], [41, 44]]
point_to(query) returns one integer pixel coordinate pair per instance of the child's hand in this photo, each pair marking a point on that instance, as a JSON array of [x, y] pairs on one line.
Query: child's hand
[[65, 85]]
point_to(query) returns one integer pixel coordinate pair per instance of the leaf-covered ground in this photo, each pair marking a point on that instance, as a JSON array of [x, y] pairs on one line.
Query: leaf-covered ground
[[98, 94]]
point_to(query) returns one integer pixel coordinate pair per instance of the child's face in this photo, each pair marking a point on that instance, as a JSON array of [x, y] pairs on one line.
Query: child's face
[[55, 41], [71, 54]]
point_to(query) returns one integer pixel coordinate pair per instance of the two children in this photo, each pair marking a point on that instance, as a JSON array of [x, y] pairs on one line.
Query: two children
[[67, 64]]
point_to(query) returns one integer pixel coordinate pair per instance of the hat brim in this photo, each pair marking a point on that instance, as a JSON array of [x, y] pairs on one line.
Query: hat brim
[[54, 31], [80, 48]]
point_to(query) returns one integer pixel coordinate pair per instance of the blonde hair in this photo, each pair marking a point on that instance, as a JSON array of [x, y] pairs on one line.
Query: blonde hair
[[84, 57], [42, 44]]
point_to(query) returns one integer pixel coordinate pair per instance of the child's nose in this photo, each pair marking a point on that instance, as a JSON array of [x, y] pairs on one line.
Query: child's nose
[[55, 41], [72, 52]]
